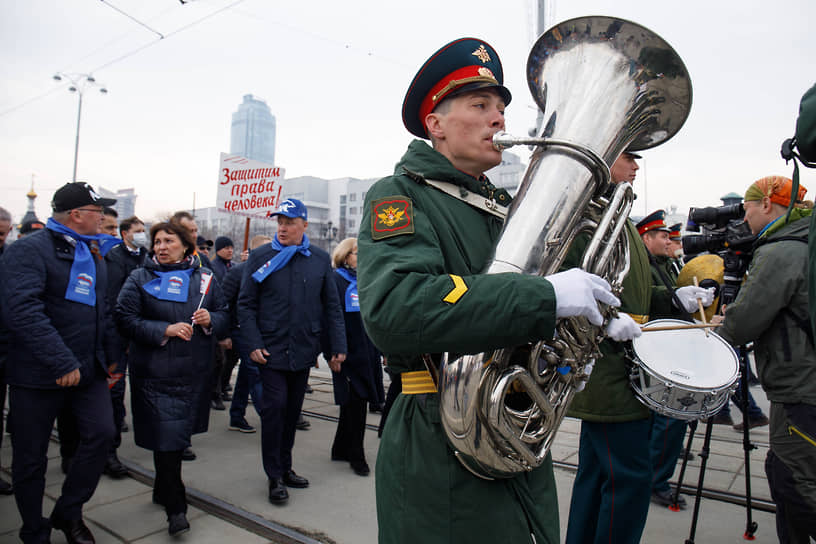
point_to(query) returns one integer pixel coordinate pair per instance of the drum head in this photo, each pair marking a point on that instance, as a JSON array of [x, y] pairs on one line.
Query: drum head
[[687, 356]]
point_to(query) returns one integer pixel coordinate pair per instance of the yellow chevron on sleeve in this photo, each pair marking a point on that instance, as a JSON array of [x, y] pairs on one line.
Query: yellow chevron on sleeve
[[459, 289]]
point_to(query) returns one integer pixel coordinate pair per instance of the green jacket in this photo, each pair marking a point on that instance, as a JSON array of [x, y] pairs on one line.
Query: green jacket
[[408, 297], [771, 310], [662, 267], [608, 397], [421, 252]]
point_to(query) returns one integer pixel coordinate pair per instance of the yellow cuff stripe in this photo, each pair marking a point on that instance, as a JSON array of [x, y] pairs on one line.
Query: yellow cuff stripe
[[417, 383], [459, 289], [639, 319]]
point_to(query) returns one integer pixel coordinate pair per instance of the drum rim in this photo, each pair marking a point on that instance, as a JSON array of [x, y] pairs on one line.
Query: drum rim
[[637, 360]]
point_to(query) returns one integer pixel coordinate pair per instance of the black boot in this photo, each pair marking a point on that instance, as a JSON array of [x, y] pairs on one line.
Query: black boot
[[114, 467], [277, 492], [177, 524]]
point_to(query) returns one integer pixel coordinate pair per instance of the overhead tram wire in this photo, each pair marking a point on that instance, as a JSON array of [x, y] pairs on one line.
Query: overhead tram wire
[[108, 43], [132, 18], [33, 99], [173, 33], [125, 56]]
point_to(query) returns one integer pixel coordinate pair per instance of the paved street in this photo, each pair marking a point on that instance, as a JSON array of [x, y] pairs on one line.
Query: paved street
[[227, 480]]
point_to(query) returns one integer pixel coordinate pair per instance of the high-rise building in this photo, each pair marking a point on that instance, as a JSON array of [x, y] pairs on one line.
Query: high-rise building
[[252, 134], [125, 201]]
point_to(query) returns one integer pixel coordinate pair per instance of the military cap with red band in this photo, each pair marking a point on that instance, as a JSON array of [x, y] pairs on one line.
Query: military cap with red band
[[653, 221], [675, 231], [462, 65]]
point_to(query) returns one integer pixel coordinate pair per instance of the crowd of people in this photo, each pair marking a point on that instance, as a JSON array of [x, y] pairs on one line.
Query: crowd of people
[[90, 309], [95, 313]]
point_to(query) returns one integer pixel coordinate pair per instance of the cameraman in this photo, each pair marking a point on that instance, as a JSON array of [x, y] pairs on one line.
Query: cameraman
[[771, 310]]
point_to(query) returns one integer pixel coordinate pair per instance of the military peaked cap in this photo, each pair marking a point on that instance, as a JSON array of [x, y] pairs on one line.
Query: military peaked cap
[[653, 221], [674, 231], [462, 65]]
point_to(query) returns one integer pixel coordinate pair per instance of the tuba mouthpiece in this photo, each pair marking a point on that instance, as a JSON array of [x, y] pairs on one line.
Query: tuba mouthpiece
[[502, 141]]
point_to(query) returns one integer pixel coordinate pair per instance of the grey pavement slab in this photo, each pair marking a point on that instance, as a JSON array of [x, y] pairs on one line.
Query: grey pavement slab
[[339, 506]]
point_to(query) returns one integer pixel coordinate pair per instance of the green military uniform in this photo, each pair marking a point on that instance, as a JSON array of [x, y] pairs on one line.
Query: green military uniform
[[662, 270], [667, 433], [421, 252], [772, 310], [608, 396], [611, 492]]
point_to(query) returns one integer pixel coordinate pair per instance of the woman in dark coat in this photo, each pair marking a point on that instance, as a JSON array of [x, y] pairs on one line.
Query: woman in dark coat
[[355, 385], [173, 311]]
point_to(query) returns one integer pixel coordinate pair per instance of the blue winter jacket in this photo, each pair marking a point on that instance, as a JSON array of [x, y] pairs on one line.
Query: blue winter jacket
[[170, 378], [283, 313], [49, 335]]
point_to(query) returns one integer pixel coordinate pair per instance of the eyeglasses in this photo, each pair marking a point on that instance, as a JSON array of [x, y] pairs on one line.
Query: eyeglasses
[[97, 210]]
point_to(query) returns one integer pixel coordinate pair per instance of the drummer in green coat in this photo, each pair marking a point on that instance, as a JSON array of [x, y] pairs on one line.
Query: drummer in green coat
[[427, 233], [667, 433], [611, 492]]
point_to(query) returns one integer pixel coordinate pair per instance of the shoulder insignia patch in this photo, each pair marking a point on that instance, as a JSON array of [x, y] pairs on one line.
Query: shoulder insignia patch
[[391, 216]]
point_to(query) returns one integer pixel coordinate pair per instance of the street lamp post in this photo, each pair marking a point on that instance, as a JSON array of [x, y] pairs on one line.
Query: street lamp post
[[78, 84]]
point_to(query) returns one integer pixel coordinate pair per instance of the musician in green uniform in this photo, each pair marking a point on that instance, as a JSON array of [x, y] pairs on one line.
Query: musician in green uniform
[[675, 249], [666, 435], [427, 233], [611, 492]]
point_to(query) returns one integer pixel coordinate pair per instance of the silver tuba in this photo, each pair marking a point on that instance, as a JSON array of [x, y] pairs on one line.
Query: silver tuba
[[604, 85]]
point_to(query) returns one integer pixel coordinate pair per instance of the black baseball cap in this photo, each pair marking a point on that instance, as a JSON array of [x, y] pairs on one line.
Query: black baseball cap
[[77, 194], [203, 242]]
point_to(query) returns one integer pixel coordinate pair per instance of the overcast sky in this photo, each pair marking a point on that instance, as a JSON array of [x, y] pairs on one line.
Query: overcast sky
[[334, 74]]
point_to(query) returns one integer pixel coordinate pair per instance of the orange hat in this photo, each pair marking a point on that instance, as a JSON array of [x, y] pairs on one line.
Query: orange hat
[[777, 188]]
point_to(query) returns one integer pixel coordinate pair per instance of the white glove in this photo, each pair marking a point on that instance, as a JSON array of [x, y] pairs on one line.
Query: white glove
[[623, 328], [688, 297], [577, 293], [582, 384]]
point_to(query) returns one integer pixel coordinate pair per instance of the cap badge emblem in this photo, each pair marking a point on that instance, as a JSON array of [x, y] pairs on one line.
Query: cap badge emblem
[[486, 73], [482, 54]]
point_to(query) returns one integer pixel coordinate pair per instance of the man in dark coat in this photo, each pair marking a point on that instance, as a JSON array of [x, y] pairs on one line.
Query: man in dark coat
[[54, 284], [224, 249], [121, 261], [221, 264], [248, 381], [286, 291]]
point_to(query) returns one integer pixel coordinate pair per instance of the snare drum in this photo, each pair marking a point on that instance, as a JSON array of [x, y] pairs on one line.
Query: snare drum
[[682, 373]]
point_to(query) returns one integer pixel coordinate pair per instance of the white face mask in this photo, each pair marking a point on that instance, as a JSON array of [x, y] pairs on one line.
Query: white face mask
[[678, 252], [140, 239]]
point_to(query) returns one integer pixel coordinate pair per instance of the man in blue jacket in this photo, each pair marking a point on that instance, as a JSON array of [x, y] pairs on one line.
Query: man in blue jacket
[[54, 294], [286, 291]]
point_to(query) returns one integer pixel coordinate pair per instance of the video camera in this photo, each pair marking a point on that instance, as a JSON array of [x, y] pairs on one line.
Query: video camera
[[723, 229], [727, 234]]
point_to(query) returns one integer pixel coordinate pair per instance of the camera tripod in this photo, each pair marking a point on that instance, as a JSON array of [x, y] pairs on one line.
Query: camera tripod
[[747, 446], [735, 265]]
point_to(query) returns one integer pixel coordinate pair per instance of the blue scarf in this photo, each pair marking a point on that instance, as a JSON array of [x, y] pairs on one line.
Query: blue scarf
[[352, 298], [82, 281], [171, 285], [285, 254]]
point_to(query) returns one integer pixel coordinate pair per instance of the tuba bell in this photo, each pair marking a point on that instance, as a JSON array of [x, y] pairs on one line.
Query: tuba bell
[[604, 85]]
